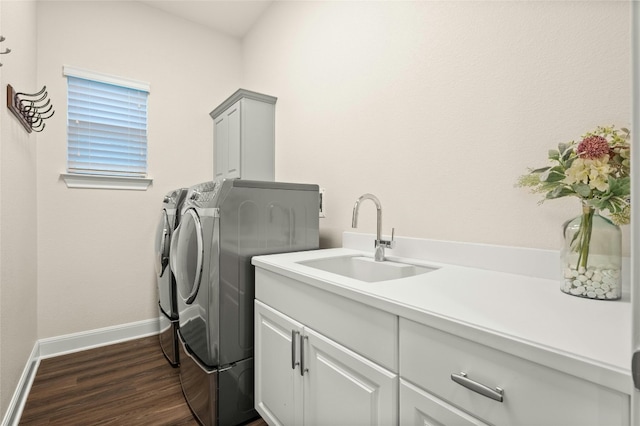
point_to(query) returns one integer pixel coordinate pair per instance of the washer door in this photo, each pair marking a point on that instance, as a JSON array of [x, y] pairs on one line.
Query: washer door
[[163, 240], [187, 252]]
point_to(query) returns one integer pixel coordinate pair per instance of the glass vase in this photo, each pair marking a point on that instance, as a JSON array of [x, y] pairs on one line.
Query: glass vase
[[591, 256]]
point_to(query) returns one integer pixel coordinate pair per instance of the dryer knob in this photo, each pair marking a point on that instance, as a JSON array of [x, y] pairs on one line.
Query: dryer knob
[[166, 199], [195, 195]]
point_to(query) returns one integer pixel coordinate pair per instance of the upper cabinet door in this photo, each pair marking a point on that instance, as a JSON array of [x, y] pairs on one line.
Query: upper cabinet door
[[233, 141], [221, 138]]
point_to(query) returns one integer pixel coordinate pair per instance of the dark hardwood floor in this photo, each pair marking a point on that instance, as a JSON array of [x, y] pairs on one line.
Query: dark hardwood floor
[[128, 383]]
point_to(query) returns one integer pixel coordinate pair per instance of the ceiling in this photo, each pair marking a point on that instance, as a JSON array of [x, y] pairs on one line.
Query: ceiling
[[231, 17]]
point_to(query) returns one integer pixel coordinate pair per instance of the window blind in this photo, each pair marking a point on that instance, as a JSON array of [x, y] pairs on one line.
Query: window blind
[[106, 128]]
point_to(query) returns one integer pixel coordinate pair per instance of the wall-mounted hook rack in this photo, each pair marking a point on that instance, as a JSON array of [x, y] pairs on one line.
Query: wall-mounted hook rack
[[6, 50], [31, 109]]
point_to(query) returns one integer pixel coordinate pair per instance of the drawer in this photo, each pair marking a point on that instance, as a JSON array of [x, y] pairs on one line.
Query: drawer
[[420, 408], [532, 393], [365, 330]]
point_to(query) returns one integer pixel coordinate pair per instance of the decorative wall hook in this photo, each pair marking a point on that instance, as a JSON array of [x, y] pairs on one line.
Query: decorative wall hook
[[31, 109], [6, 50]]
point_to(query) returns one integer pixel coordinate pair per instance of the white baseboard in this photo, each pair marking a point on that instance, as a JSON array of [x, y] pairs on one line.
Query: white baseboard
[[16, 405], [69, 343]]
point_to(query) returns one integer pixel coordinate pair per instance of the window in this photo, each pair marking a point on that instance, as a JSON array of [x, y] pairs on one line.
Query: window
[[106, 129]]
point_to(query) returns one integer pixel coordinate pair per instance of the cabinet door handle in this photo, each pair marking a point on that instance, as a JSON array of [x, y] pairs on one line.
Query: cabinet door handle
[[294, 362], [302, 367], [462, 379]]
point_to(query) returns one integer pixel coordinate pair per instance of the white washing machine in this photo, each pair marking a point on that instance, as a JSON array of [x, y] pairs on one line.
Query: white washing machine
[[167, 304]]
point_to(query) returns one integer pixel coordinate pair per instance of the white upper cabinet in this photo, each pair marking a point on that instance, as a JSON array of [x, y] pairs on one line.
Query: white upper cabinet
[[244, 137]]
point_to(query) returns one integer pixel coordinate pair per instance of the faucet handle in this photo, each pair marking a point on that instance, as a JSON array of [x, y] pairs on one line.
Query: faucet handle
[[389, 244]]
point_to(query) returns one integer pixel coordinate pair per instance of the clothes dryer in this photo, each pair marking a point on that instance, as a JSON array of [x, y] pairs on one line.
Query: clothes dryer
[[224, 224], [167, 302]]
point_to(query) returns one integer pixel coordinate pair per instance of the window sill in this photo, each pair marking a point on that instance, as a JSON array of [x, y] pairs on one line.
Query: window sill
[[105, 182]]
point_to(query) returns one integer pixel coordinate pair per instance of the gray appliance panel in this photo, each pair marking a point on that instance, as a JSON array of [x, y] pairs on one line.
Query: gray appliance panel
[[200, 387], [255, 221], [237, 220], [169, 220], [197, 296], [251, 218], [168, 337], [218, 397]]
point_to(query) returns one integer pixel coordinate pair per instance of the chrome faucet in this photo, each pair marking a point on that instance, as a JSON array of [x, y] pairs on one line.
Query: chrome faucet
[[380, 244]]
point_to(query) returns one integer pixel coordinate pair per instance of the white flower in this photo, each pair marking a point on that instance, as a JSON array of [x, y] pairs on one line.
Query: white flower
[[578, 172], [593, 172]]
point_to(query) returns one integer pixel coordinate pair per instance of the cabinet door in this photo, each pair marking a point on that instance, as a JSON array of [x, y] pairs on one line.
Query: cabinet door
[[420, 408], [343, 388], [220, 145], [233, 141], [227, 143], [278, 383]]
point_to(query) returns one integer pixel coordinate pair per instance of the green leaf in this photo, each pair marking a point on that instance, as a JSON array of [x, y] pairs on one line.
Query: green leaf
[[599, 203], [540, 170], [554, 155], [573, 240], [560, 191], [562, 147], [569, 162], [582, 189], [606, 205], [565, 150], [620, 187], [554, 174], [616, 204]]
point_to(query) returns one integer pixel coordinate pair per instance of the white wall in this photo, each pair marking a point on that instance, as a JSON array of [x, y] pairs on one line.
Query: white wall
[[95, 247], [438, 107], [18, 256]]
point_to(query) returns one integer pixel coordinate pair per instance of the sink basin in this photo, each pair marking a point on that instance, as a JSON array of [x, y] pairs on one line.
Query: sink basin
[[366, 269]]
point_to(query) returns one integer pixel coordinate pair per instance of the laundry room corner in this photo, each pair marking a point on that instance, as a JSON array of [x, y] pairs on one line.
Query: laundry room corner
[[95, 245]]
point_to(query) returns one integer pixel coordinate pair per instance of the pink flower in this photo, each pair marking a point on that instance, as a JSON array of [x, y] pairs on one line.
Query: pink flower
[[593, 147]]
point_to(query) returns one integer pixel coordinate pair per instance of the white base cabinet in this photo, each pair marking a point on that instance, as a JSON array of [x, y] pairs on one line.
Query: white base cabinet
[[323, 358], [532, 394], [305, 378]]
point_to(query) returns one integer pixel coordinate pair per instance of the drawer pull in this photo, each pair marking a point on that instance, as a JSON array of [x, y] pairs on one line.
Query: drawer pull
[[294, 361], [462, 379], [303, 369]]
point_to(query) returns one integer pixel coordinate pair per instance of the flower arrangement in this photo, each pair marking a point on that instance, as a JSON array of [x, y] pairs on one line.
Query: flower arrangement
[[597, 171]]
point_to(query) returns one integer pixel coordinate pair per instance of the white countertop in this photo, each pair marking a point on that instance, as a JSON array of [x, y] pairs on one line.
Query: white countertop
[[525, 316]]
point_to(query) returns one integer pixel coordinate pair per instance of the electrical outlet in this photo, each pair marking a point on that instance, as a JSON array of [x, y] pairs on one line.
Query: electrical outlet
[[322, 202]]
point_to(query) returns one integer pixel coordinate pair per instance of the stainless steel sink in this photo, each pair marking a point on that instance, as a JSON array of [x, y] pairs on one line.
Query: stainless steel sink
[[366, 269]]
